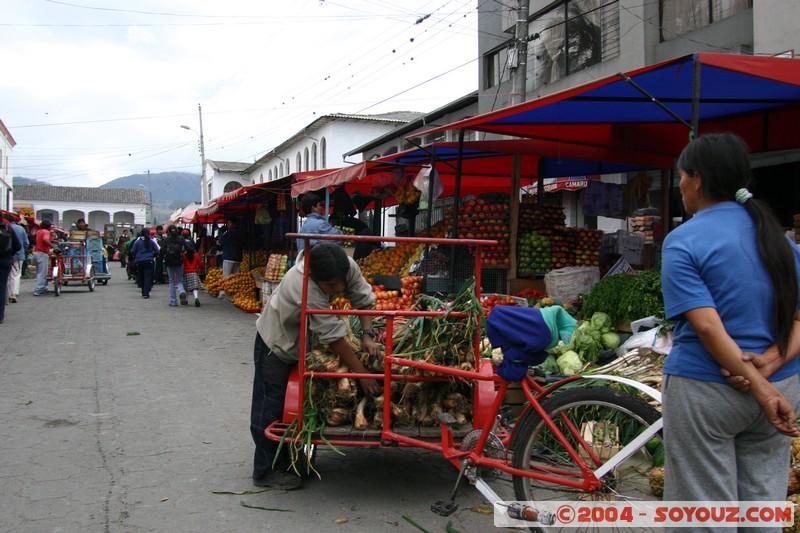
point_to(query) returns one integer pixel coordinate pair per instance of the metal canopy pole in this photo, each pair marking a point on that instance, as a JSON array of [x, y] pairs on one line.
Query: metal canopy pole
[[456, 206]]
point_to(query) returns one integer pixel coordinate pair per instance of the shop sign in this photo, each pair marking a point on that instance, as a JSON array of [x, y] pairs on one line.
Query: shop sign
[[568, 183]]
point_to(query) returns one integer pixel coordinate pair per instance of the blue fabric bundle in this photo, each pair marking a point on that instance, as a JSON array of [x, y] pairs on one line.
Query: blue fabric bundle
[[524, 333]]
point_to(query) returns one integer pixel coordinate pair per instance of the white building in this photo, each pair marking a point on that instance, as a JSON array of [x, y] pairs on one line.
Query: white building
[[319, 145], [63, 206], [7, 144]]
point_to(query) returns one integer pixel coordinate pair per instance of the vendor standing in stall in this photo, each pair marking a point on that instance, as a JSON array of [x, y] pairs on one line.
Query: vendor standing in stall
[[231, 244], [277, 346], [314, 208]]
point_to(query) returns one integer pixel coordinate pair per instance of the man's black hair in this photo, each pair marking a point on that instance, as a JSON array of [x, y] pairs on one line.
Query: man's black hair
[[327, 261], [308, 202]]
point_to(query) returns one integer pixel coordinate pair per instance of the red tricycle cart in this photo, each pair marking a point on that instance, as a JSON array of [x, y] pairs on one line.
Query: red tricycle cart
[[71, 263], [577, 438]]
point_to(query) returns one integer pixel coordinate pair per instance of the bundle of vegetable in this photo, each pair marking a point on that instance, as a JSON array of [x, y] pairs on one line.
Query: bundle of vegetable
[[626, 297], [444, 340]]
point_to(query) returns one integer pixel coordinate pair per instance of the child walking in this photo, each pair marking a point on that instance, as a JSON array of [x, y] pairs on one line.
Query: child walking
[[191, 267]]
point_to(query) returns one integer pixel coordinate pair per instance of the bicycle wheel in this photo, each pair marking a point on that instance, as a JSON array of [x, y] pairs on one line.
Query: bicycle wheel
[[607, 418]]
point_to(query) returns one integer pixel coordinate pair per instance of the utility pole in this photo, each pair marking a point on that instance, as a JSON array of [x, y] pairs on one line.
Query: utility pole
[[203, 188], [519, 64], [150, 194]]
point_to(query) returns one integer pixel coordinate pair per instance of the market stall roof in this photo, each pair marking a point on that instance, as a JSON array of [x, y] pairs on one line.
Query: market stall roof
[[487, 165], [649, 111], [249, 195]]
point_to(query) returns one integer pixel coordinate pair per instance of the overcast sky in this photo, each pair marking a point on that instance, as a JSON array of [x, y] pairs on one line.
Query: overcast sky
[[92, 90]]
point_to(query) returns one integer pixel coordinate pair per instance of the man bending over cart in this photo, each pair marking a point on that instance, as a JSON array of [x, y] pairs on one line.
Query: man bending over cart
[[277, 347]]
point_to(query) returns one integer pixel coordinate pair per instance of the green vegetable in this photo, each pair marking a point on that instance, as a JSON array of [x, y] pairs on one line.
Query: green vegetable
[[610, 340], [569, 363], [550, 366], [626, 297], [586, 341], [601, 322]]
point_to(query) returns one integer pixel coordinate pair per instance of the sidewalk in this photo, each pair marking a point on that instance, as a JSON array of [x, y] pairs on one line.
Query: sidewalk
[[120, 414]]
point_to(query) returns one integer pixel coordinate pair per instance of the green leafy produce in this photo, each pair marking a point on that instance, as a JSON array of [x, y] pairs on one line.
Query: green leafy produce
[[550, 366], [586, 341], [626, 297], [569, 363], [601, 322], [610, 340]]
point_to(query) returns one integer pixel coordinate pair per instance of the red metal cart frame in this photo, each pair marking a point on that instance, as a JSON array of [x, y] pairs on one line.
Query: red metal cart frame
[[588, 472]]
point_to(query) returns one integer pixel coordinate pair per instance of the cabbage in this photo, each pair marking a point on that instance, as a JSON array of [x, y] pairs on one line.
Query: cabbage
[[550, 366], [610, 340], [601, 322], [587, 343], [569, 363]]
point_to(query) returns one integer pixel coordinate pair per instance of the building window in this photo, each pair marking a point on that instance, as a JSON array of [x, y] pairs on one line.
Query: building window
[[269, 175], [496, 68], [305, 158], [232, 186], [679, 17], [324, 155], [314, 156], [571, 36], [299, 162], [282, 174]]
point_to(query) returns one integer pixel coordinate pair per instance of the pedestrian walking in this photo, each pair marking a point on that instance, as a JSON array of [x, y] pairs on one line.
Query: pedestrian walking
[[17, 260], [174, 245], [192, 264], [9, 246], [145, 251], [160, 264], [121, 251], [41, 254]]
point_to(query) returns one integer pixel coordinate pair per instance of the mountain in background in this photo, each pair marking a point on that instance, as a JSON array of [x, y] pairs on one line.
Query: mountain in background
[[165, 190], [169, 189], [19, 180]]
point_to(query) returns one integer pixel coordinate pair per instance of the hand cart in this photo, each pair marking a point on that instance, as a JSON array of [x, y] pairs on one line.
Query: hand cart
[[575, 439], [71, 264], [94, 248]]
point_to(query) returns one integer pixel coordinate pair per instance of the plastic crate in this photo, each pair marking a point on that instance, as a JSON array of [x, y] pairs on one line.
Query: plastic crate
[[628, 245]]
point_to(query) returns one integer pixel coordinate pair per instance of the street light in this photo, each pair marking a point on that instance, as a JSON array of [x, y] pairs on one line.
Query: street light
[[203, 195]]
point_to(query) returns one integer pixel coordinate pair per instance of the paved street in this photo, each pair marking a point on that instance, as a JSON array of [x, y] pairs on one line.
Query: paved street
[[119, 414]]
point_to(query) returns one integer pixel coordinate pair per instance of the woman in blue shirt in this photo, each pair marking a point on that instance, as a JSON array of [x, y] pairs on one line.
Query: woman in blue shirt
[[731, 288]]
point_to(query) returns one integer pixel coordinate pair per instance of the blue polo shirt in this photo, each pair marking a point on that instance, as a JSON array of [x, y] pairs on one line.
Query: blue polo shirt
[[712, 261]]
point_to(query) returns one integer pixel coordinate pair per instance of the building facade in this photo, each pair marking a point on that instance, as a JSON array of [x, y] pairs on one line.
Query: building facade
[[572, 42], [567, 43], [7, 144], [322, 143], [63, 206]]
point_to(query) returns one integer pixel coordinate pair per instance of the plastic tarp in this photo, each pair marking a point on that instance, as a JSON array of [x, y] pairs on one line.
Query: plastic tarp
[[757, 98]]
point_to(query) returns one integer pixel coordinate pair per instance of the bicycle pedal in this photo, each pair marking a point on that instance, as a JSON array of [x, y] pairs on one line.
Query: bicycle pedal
[[443, 508]]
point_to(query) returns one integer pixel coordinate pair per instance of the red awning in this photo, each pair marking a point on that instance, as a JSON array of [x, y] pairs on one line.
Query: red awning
[[331, 178]]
